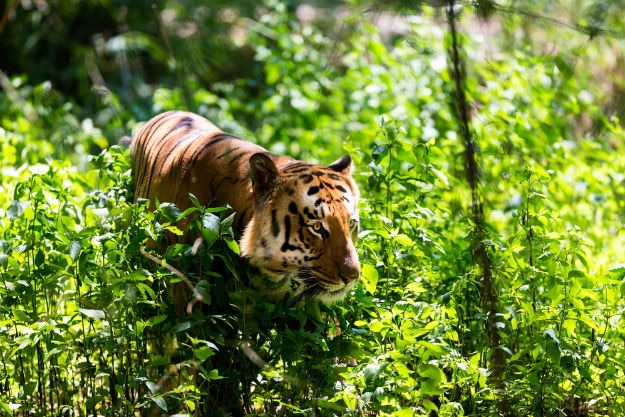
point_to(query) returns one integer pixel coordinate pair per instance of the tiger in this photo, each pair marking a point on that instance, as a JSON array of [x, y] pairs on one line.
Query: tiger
[[297, 221]]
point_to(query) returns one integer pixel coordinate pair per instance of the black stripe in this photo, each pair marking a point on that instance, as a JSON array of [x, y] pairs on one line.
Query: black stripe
[[313, 190], [184, 143], [275, 227], [286, 246], [307, 178], [214, 141], [151, 140], [296, 167]]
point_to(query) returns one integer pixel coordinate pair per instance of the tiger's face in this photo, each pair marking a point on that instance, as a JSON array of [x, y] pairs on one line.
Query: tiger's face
[[304, 227]]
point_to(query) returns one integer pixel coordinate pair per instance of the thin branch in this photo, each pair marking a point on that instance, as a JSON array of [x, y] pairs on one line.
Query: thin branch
[[196, 295], [591, 30], [479, 241], [7, 14]]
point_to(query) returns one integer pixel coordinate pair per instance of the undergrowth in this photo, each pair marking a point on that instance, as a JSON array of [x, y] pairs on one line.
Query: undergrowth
[[87, 321]]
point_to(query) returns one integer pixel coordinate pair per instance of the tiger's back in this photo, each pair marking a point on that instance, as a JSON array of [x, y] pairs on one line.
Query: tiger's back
[[297, 220], [177, 153]]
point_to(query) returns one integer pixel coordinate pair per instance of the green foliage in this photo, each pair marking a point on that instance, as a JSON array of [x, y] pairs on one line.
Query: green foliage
[[87, 321]]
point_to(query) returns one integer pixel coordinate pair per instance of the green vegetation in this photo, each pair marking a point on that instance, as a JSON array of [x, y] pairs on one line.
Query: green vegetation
[[486, 290]]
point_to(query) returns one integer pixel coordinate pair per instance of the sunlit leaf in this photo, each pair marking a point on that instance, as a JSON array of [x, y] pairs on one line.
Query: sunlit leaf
[[93, 314]]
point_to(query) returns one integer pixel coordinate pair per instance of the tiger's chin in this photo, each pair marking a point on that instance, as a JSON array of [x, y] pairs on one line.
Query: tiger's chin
[[330, 296]]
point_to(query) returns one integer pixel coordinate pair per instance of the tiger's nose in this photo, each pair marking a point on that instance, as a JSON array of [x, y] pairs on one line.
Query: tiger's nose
[[350, 271]]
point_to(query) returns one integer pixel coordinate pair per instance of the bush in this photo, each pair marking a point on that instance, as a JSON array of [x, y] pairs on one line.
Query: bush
[[88, 325]]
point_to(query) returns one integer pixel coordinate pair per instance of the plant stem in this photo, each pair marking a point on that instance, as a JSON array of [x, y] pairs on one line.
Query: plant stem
[[479, 241]]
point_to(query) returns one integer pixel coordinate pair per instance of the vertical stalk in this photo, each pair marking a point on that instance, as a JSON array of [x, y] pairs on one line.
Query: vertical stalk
[[479, 242]]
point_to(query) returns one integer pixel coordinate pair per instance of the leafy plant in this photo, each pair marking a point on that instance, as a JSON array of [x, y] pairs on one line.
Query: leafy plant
[[90, 318]]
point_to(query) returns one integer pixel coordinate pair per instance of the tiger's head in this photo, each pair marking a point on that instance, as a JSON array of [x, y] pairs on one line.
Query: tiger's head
[[304, 227]]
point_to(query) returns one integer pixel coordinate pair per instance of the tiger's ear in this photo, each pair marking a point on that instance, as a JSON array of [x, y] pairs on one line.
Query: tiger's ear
[[343, 165], [263, 173]]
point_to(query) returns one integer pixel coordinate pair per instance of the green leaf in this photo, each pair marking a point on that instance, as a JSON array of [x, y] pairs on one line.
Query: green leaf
[[195, 200], [404, 412], [21, 315], [74, 249], [434, 376], [203, 353], [402, 370], [430, 371], [6, 408], [155, 320], [403, 240], [16, 209], [226, 224], [210, 228], [576, 273], [160, 401], [157, 360], [182, 326], [29, 388], [170, 211], [369, 278], [441, 176], [213, 374], [553, 351], [552, 334], [93, 314], [232, 244], [186, 213]]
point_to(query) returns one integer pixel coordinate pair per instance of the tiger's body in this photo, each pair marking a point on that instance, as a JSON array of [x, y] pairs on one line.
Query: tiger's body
[[297, 220]]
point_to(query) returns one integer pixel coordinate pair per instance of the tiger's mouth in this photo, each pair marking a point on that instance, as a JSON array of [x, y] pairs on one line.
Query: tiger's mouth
[[307, 282], [327, 293]]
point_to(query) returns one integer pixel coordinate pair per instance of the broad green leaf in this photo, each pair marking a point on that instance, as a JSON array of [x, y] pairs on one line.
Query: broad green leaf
[[7, 408], [552, 334], [74, 249], [431, 371], [214, 375], [203, 353], [156, 360], [226, 223], [160, 401], [403, 240], [182, 326], [92, 313], [210, 228], [369, 278], [174, 229], [402, 370], [170, 211], [404, 412], [232, 244], [434, 376], [576, 273], [553, 351], [21, 315], [155, 320], [441, 176]]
